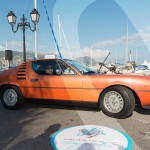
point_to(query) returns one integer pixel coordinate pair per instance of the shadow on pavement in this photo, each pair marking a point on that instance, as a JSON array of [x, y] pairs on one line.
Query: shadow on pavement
[[31, 127], [40, 142], [59, 106], [143, 111]]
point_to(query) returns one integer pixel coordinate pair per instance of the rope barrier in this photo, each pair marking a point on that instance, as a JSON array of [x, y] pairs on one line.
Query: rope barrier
[[52, 29]]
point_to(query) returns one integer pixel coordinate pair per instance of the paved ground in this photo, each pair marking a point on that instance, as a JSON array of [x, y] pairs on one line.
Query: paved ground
[[30, 128]]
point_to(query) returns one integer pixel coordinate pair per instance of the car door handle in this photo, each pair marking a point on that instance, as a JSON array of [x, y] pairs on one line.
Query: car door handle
[[34, 80]]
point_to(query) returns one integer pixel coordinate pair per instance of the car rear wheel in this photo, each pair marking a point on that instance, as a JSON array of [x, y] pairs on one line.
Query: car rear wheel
[[117, 102], [11, 97]]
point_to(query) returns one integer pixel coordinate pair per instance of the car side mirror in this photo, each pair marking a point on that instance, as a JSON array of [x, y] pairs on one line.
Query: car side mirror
[[58, 71], [82, 71]]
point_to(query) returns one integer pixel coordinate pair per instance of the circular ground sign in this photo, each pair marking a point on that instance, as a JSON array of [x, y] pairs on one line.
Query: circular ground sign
[[90, 137]]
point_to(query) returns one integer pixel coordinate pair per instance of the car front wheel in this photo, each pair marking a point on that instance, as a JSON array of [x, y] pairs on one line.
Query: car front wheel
[[117, 102], [11, 97]]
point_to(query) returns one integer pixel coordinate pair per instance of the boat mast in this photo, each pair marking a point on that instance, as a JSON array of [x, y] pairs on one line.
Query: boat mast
[[136, 57], [126, 59], [130, 56], [59, 32], [61, 29], [91, 55], [116, 56], [35, 35]]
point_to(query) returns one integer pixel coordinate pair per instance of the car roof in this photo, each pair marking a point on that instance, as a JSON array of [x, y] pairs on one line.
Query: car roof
[[48, 59]]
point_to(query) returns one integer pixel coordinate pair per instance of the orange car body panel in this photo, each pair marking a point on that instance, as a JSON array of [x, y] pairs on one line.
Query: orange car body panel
[[85, 88]]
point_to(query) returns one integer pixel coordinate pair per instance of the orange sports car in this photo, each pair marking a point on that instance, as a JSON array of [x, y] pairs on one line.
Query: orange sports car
[[62, 80]]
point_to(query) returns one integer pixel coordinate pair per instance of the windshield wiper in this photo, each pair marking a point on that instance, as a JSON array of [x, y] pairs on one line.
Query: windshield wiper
[[90, 72]]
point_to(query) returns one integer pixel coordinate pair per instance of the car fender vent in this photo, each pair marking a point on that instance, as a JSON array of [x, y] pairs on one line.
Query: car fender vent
[[22, 71]]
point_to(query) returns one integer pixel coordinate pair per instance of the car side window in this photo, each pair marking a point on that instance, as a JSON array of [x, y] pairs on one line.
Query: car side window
[[66, 69], [47, 67]]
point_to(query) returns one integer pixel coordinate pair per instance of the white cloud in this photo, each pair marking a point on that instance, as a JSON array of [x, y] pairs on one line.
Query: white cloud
[[18, 45], [145, 29], [2, 48], [95, 53], [15, 45], [133, 39], [43, 47], [145, 35], [137, 39]]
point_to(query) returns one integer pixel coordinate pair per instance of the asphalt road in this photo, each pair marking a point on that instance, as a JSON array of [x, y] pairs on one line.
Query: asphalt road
[[31, 127]]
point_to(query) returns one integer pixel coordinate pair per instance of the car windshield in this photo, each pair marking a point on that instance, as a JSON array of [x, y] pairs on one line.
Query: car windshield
[[81, 68]]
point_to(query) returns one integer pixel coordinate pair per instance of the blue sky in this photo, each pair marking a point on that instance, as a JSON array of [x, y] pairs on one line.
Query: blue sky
[[100, 24]]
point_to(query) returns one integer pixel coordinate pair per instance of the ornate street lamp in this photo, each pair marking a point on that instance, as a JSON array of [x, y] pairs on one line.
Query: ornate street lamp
[[23, 25]]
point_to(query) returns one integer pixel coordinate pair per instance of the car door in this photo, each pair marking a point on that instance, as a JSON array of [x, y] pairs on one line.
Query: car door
[[64, 86]]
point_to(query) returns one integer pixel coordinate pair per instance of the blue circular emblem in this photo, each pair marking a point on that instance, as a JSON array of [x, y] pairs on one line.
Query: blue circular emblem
[[91, 137]]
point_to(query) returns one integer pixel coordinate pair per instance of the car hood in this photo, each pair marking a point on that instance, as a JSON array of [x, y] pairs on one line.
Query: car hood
[[1, 71]]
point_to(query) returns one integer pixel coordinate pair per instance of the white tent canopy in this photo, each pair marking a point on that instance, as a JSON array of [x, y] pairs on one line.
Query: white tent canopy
[[146, 63]]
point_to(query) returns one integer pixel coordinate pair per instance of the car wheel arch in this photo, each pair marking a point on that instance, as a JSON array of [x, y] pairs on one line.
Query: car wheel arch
[[7, 85], [137, 100]]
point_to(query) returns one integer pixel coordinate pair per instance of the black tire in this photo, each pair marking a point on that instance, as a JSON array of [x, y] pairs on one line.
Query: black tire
[[120, 96], [14, 99]]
